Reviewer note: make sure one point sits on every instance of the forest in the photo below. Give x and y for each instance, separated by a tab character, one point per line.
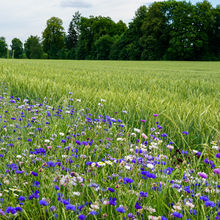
169	30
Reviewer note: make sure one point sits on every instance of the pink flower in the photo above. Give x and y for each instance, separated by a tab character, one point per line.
203	175
217	171
144	135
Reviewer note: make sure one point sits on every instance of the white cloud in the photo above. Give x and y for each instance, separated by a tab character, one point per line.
75	4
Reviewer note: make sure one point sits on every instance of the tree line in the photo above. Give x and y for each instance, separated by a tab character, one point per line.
168	30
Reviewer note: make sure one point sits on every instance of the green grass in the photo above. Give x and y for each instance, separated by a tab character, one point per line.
185	94
57	150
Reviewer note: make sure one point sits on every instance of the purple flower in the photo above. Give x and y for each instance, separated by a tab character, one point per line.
218	155
155	115
2	212
130	215
120	209
203	175
52	208
217	171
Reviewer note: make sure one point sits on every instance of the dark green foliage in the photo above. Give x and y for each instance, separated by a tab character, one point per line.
3	47
33	48
103	46
17	48
73	36
167	30
53	37
92	30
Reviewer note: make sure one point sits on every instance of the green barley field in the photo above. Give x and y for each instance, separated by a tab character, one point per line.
185	95
109	140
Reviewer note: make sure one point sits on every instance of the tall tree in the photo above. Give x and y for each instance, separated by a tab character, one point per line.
33	48
3	47
103	46
214	39
53	37
73	31
17	48
128	45
155	33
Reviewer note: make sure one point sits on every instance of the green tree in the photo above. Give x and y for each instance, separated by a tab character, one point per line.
214	39
73	35
91	30
17	48
3	47
33	48
190	27
103	46
53	37
128	46
155	33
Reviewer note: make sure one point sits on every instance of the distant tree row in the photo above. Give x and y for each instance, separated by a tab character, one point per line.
167	30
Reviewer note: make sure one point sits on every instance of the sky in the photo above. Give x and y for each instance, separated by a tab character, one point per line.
22	18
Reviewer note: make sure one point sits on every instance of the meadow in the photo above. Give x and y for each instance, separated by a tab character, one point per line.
109	139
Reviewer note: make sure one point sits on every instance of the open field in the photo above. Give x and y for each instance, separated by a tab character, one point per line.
109	140
185	94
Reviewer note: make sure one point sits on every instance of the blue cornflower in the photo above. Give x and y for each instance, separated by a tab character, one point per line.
18	209
93	213
65	201
71	207
56	188
36	184
43	202
130	215
34	173
63	141
143	194
52	208
185	132
82	217
177	215
112	201
120	209
210	204
127	180
50	164
204	198
110	189
138	206
193	212
10	210
22	198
